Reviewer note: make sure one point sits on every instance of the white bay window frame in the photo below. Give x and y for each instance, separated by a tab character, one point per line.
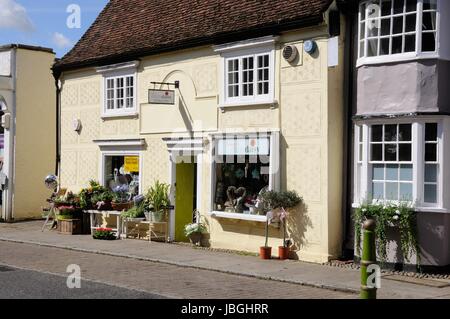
363	164
397	57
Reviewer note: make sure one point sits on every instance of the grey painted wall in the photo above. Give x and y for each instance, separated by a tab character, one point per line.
408	87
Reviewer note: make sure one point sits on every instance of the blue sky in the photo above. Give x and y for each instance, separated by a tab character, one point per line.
44	22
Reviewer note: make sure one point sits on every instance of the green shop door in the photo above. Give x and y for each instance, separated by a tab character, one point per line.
184	201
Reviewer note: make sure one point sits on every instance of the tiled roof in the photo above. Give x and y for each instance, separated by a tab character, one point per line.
128	29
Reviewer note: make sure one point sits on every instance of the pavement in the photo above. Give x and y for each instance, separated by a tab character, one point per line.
292	272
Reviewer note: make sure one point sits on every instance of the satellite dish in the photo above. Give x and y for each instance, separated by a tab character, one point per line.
51	182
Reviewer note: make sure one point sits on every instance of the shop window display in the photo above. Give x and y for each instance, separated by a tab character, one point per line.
122	171
241	173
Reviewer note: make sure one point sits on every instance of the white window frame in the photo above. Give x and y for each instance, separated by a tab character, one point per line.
363	178
274	178
417	54
244	49
115	72
105	154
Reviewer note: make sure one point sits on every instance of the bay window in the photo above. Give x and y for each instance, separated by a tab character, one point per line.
399	162
400	28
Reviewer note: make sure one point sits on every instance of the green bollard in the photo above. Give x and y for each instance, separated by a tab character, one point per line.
368	258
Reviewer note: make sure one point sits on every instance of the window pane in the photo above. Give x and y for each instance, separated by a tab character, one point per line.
373	28
406	190
384	46
397	45
411	5
392	172
404	132
377	152
372	47
377	133
398	25
431	173
390	133
378	172
378	190
405	152
429	21
430	195
410	43
431	152
429	42
361	49
406	173
410	23
392	191
386	26
386	6
362	35
429	4
398	6
390	152
362	9
431	132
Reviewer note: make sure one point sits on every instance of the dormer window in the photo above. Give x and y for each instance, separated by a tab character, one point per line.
391	30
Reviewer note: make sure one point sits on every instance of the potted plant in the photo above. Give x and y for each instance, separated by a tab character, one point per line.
136	212
121	198
400	217
278	202
69	220
104	234
90	195
194	232
102	200
265	252
156	201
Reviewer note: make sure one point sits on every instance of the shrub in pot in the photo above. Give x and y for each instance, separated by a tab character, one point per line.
104	234
194	232
87	195
278	202
157	201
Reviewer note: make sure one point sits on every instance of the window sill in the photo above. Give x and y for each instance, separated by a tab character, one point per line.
133	114
271	103
436	210
395	58
247	217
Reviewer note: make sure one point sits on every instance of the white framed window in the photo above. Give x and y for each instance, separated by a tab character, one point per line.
119	89
391	30
120	97
399	161
248	70
243	166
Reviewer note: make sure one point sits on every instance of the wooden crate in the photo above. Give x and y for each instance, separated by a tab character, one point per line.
70	226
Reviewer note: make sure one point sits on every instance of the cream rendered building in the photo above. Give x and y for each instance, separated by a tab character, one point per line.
237	100
28	129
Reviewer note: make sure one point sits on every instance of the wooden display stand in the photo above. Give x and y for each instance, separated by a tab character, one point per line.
70	226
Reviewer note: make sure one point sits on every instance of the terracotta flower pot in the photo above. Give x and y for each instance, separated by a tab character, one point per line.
265	252
283	252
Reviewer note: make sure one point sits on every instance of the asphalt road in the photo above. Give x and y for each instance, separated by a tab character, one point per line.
25	284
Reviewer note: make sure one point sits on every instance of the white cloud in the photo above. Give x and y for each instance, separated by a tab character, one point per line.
14	16
60	40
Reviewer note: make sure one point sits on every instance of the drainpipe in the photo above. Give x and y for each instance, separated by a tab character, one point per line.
347	9
57	76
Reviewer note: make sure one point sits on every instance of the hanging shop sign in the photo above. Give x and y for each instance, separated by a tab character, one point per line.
244	146
131	164
161	97
156	96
